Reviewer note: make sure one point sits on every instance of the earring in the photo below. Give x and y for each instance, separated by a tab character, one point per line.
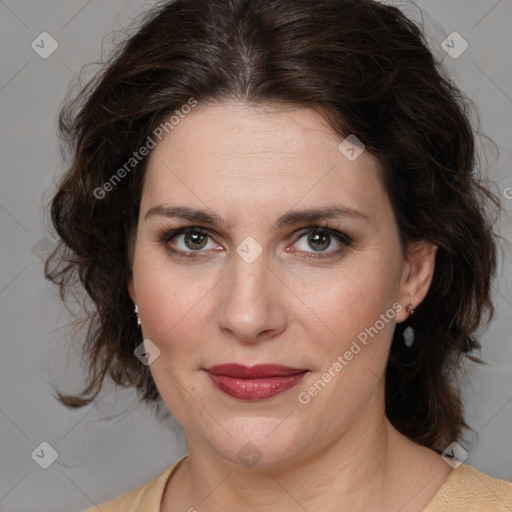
408	333
136	309
408	336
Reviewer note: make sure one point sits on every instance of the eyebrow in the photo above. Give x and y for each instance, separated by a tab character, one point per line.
293	217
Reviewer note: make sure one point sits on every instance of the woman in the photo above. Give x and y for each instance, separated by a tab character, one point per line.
285	194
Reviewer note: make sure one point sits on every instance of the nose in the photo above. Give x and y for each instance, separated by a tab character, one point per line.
251	307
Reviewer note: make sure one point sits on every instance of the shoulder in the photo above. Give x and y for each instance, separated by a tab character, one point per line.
468	490
145	498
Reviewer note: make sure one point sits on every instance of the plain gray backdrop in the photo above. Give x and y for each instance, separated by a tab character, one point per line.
99	458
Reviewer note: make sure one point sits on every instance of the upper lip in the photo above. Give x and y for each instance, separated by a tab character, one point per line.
254	372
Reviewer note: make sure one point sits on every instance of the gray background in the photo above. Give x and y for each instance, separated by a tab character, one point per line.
100	458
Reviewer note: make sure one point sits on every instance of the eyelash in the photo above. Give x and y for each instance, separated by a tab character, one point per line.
166	236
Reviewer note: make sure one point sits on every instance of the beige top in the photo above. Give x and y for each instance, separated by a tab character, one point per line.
465	490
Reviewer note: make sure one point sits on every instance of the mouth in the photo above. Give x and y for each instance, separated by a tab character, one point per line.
255	382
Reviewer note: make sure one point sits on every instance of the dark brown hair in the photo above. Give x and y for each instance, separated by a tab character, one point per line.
363	65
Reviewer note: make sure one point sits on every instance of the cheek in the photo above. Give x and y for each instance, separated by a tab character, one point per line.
354	298
172	308
358	320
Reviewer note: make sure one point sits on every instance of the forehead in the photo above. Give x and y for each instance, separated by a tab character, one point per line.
240	129
235	154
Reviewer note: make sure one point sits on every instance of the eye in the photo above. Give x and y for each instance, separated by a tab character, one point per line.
194	242
321	240
188	240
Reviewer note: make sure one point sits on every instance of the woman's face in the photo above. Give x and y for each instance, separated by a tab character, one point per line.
291	257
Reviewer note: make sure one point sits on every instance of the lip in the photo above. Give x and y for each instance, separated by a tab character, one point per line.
254	382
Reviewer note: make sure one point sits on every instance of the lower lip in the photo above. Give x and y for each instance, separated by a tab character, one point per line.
255	389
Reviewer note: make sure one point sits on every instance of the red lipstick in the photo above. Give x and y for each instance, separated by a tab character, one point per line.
254	382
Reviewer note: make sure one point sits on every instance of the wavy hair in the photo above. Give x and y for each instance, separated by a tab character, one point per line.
368	70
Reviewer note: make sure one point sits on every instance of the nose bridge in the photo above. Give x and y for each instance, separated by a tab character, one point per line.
249	305
247	281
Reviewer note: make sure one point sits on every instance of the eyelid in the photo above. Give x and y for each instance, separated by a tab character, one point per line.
324	229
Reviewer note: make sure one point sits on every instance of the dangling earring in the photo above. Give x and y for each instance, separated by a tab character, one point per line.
408	333
136	309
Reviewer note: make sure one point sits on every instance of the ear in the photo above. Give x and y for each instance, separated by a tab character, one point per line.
417	273
131	289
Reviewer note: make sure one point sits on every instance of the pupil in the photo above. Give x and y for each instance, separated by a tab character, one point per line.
319	241
195	240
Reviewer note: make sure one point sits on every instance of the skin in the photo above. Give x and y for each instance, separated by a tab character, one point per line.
249	166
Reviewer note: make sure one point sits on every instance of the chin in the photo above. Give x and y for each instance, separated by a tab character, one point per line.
257	442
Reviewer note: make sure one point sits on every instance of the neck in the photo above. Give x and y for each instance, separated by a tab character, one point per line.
352	473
